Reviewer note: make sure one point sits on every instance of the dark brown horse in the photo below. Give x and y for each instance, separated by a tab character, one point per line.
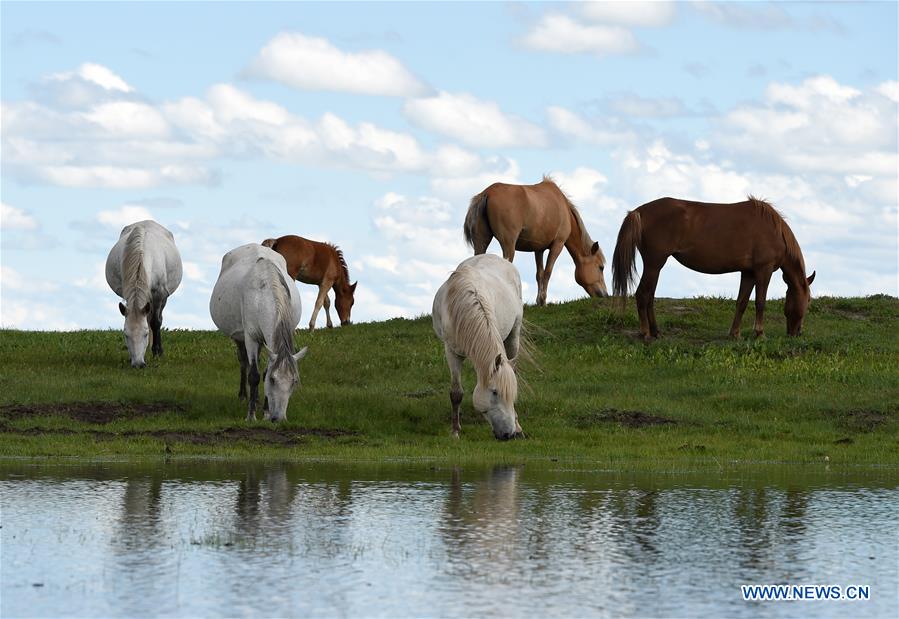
750	237
321	264
536	218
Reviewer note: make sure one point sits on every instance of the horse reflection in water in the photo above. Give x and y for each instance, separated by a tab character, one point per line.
481	529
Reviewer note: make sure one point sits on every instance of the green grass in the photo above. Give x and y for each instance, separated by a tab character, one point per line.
829	395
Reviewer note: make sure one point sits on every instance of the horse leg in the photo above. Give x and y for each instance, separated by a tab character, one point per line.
454	362
645	296
481	242
541	290
319	301
513	341
761	292
154	318
327	305
747	281
554	251
253	357
244	362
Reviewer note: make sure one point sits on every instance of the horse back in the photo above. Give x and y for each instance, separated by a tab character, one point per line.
713	237
310	262
535	214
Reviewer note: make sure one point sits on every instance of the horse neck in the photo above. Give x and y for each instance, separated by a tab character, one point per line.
475	327
793	273
578	242
793	266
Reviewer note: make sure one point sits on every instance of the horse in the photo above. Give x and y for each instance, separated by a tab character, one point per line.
256	304
750	237
477	313
322	264
143	268
536	218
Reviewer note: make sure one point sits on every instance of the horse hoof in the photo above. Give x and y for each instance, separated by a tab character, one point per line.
456	435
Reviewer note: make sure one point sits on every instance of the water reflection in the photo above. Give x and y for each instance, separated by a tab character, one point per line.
282	539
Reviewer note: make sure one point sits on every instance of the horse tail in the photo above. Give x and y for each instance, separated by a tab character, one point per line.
624	261
476	224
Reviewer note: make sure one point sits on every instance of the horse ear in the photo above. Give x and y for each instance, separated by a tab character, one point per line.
123	309
811	278
301	353
353	287
268	243
595	247
497	363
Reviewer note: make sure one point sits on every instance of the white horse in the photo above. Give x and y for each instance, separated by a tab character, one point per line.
255	303
144	268
477	313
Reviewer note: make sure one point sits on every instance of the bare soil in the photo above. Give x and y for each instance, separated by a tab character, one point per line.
629	419
90	412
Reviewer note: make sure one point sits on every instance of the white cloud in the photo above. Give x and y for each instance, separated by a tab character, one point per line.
574	127
95	74
643	107
472	121
890	90
12	218
636	13
123	216
560	33
816	126
34	315
128	118
312	63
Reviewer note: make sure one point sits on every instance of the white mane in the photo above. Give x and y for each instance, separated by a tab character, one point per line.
474	331
135	284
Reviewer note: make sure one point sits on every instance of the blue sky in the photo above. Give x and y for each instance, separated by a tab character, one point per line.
372	124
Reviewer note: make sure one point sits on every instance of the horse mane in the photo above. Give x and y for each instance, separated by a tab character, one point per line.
794	253
135	284
282	346
341	261
475	331
586	239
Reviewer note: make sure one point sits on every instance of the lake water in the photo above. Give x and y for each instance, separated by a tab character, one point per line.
224	539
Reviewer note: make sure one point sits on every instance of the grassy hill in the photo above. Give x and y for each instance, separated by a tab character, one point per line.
380	390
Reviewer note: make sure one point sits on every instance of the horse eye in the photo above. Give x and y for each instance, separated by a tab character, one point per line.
602	268
495	392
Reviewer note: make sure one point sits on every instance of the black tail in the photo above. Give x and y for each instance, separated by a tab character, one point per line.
624	261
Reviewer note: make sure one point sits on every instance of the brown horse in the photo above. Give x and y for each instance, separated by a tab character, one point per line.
750	237
321	264
536	218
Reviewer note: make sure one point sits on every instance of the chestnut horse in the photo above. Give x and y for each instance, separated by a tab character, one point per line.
750	237
536	218
321	264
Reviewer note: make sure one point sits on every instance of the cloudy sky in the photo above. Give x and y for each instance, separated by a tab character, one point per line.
371	125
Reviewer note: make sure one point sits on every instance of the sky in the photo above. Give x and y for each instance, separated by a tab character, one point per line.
371	125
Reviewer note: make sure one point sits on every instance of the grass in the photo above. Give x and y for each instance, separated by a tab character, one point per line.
379	391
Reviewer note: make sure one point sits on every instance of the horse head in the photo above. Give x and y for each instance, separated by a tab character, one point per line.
344	298
281	379
496	400
796	303
588	272
137	332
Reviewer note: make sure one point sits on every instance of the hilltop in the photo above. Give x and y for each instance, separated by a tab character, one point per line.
594	393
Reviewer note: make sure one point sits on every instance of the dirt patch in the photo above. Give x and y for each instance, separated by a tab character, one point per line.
261	436
421	393
628	419
863	419
90	412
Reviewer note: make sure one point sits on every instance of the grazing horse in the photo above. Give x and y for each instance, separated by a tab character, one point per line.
477	313
750	237
255	303
144	268
322	264
536	218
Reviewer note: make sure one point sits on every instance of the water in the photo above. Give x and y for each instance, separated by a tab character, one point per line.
217	539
